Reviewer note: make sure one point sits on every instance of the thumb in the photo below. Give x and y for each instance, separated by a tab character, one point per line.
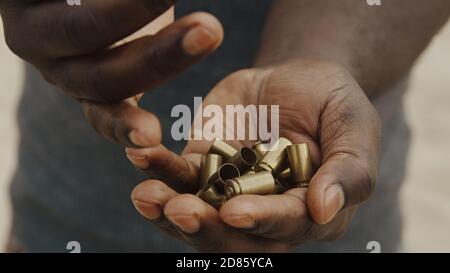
343	181
349	141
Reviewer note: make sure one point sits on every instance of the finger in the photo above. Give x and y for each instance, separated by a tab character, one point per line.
150	198
282	217
124	123
278	217
200	225
139	65
56	29
349	137
178	172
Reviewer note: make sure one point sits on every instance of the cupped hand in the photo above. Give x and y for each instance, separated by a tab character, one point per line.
321	104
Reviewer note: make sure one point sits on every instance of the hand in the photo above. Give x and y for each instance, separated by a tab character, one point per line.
320	104
72	46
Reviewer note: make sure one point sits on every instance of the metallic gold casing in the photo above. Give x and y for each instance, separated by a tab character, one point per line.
300	163
209	165
275	160
259	183
225	172
286	175
284	181
251	171
212	197
222	148
244	159
259	149
281	186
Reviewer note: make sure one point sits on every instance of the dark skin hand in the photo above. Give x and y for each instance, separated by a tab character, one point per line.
320	104
72	47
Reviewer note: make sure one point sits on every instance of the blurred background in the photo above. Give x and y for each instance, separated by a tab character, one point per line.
426	194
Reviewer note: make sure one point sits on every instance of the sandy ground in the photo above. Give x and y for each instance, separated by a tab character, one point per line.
425	197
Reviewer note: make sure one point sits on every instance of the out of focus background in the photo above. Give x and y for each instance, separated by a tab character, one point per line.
426	194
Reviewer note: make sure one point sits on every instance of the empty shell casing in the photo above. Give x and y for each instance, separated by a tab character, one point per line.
300	164
210	164
260	150
225	172
285	175
244	159
275	160
285	180
212	197
251	171
258	183
222	148
281	186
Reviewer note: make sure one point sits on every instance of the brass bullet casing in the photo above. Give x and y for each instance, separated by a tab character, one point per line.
259	149
275	160
286	176
281	186
225	172
244	159
212	197
300	163
259	183
209	165
251	171
222	148
284	181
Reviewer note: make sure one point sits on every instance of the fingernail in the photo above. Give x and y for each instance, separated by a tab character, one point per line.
241	221
151	211
187	223
198	40
137	139
333	203
140	161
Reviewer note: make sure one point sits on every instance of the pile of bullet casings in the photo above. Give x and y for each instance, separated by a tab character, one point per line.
226	172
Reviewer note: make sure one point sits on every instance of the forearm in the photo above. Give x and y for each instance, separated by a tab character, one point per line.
378	45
